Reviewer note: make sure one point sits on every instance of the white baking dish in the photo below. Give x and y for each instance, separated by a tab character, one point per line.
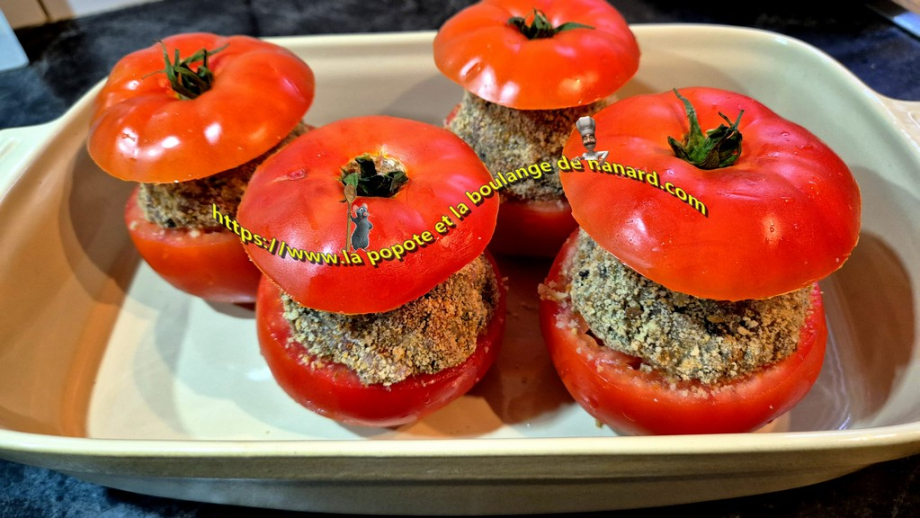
109	374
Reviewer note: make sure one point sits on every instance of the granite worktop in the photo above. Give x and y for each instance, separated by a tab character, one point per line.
68	57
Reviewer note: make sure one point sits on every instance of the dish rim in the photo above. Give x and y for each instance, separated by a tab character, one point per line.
907	434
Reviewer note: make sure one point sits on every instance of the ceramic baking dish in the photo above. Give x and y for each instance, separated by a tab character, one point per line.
109	374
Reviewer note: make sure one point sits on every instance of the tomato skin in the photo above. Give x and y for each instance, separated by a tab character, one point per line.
212	265
636	402
141	130
297	195
336	392
532	228
481	51
785	215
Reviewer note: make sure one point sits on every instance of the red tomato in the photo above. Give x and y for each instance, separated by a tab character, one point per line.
492	58
142	131
532	228
297	197
336	392
210	265
608	385
784	215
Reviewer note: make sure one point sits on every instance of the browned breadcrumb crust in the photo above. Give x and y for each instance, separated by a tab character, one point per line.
437	331
507	139
687	338
188	204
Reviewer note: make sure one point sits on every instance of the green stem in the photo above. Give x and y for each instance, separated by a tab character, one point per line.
362	178
369	182
188	83
541	26
719	147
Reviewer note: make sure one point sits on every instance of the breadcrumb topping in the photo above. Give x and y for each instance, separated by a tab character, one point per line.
686	337
437	331
188	204
507	139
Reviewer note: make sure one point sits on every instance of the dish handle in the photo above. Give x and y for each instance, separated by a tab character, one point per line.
19	147
907	116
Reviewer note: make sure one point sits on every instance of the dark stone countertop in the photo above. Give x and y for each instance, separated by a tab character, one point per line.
68	57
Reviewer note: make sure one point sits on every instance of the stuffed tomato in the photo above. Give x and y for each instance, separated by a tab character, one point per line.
530	69
190	119
688	300
378	305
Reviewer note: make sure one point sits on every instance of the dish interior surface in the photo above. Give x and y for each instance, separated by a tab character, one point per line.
96	345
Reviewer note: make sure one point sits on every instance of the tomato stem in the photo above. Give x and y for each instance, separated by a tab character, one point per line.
370	176
188	83
378	176
720	147
541	26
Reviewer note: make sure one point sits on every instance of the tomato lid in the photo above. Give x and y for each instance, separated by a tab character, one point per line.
144	130
407	242
538	54
783	215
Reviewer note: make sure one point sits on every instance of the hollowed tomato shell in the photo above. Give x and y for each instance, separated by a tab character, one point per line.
532	228
608	386
334	391
210	265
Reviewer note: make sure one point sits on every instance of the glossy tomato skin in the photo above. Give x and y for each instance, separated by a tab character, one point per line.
631	401
297	195
210	265
142	131
334	391
783	216
481	51
532	228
